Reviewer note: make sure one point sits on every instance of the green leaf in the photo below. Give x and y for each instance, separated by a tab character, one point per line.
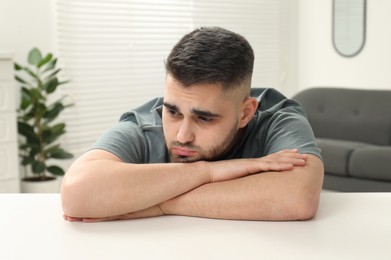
52	113
34	144
34	149
19	79
32	74
63	82
45	60
26	130
34	57
53	73
58	153
51	85
23	146
28	116
59	128
17	66
52	149
62	155
35	94
53	137
25	99
35	112
38	167
46	134
25	102
51	134
25	91
51	65
26	160
28	146
56	170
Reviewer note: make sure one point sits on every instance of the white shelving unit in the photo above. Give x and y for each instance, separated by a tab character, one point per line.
9	176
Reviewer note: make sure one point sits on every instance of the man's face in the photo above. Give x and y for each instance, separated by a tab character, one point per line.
199	122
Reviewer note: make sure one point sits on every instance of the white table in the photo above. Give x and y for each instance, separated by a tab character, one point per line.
347	226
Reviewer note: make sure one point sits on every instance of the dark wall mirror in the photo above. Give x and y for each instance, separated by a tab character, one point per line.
349	18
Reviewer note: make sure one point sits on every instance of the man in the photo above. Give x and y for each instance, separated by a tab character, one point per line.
213	147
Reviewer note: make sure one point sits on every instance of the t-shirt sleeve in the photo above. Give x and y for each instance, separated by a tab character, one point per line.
290	129
125	140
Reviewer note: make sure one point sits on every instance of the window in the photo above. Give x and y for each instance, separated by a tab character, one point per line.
113	51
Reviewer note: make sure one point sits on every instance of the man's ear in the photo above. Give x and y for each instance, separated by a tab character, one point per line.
249	107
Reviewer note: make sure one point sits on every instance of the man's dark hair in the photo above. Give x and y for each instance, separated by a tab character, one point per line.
211	55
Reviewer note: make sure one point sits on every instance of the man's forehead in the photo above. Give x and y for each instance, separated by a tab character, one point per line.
208	104
201	97
203	92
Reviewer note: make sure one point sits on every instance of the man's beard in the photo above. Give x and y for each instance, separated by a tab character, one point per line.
213	154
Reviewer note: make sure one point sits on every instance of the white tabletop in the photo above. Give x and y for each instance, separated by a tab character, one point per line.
347	226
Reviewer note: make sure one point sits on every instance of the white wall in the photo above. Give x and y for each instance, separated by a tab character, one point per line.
288	47
320	65
25	24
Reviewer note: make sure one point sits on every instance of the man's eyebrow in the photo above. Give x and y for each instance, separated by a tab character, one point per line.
170	106
195	111
204	113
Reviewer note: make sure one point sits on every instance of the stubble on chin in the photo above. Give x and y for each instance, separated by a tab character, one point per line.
182	159
213	154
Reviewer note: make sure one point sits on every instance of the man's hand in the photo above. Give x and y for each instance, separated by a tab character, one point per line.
283	160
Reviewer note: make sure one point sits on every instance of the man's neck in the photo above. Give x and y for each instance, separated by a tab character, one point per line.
235	143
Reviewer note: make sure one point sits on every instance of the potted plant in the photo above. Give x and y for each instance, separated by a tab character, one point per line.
37	125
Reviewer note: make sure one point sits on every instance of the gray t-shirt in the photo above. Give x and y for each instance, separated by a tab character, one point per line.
279	123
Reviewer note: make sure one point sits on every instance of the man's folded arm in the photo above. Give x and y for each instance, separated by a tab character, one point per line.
100	185
289	195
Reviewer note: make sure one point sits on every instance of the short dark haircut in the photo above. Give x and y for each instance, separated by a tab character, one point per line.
211	55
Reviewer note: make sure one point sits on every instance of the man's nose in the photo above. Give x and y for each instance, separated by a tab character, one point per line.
185	132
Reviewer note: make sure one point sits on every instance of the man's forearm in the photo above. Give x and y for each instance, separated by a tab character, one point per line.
291	195
103	187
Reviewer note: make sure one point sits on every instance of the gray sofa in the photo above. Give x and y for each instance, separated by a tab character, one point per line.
353	129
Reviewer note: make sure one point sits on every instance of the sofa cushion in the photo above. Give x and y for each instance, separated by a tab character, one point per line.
336	153
371	163
356	115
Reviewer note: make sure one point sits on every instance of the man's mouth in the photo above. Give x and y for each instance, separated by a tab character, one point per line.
182	151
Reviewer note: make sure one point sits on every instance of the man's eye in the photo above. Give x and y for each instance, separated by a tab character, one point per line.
173	112
205	119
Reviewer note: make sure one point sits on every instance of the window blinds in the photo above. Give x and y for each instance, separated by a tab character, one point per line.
113	51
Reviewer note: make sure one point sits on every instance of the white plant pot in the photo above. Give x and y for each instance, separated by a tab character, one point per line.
47	186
